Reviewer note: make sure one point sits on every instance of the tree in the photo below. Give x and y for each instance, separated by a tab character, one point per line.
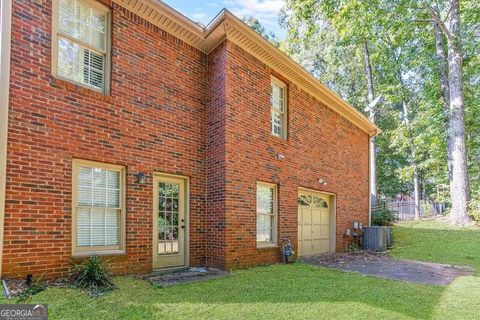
260	29
346	25
333	38
457	149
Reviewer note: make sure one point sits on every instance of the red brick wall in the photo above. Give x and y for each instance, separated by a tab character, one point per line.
216	120
321	144
171	109
153	120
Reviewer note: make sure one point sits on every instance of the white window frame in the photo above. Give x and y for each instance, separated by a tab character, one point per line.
98	250
107	53
283	114
273	242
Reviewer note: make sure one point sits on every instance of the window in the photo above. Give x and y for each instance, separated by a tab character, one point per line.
266	214
312	201
98	207
278	108
81	43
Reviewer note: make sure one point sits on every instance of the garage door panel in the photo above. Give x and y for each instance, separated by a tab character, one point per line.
307	216
316	216
306	246
324	216
325	230
307	231
321	246
316	231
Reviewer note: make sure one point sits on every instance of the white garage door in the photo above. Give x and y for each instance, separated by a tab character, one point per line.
314	223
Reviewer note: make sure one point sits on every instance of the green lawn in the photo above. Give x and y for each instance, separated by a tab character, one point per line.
295	291
437	242
275	292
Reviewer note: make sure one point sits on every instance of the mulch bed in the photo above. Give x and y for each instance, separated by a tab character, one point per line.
17	286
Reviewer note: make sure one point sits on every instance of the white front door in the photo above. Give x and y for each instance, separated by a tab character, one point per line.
314	223
169	222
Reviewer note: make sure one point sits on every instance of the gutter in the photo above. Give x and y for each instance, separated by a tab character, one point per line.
5	34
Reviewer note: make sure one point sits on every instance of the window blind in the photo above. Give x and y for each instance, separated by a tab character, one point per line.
98	207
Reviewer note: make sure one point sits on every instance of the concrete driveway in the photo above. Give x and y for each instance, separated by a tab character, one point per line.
381	265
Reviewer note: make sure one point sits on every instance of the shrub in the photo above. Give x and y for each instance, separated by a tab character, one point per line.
93	276
382	217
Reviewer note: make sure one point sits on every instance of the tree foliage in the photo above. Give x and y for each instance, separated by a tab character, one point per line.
260	29
325	37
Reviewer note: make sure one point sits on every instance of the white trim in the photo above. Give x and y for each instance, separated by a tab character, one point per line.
5	34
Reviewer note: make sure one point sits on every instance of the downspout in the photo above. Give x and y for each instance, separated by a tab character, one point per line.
369	180
5	34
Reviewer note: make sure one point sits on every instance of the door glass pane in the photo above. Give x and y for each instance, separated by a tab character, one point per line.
168	218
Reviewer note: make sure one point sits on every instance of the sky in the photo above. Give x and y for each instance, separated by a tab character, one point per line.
266	11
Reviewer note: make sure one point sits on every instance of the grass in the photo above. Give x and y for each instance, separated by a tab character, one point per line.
275	292
295	291
434	241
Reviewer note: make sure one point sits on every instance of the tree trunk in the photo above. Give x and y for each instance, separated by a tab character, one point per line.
370	98
443	72
416	178
459	187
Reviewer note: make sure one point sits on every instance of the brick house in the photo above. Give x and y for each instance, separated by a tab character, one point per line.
129	131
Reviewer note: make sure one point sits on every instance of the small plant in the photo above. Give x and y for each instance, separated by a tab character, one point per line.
382	217
353	248
31	289
93	276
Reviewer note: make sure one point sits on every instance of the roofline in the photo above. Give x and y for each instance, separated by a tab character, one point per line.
227	25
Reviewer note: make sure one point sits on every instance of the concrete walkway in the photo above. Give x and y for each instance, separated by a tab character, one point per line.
169	278
381	265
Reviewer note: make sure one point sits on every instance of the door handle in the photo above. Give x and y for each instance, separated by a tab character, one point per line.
183	227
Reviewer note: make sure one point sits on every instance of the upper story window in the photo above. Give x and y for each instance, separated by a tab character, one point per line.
81	42
278	108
